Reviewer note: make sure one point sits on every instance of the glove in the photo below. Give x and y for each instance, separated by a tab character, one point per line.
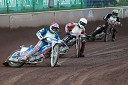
48	39
42	39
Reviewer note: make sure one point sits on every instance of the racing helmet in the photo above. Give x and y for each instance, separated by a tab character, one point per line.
115	13
82	23
54	27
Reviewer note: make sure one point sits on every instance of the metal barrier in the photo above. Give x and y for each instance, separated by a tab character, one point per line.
21	6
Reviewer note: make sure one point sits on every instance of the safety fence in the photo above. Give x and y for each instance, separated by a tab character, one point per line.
21	6
36	19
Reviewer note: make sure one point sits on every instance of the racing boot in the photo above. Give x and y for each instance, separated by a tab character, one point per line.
5	64
81	55
58	64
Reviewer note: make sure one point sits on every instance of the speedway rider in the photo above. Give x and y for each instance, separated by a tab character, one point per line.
113	16
75	28
43	43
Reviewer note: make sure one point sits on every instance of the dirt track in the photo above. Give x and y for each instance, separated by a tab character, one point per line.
105	63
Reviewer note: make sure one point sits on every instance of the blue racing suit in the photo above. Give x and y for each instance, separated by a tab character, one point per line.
43	45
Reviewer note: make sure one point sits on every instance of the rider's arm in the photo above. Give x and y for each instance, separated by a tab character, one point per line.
57	36
69	27
83	31
40	34
84	38
118	21
107	17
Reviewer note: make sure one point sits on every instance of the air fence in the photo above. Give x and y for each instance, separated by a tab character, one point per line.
22	6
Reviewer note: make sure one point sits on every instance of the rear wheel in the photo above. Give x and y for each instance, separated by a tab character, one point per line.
14	55
55	55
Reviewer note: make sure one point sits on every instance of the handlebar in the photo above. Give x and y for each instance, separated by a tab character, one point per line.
53	40
75	34
113	22
78	34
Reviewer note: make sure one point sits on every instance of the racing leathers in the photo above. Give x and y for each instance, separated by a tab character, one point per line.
104	27
73	28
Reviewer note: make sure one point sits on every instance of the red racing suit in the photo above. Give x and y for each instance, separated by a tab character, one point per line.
74	28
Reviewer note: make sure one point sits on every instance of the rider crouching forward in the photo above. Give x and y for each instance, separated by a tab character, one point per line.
43	43
113	16
75	28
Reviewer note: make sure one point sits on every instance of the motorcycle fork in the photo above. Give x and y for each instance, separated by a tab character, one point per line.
77	40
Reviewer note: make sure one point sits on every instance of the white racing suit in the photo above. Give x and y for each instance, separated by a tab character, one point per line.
70	39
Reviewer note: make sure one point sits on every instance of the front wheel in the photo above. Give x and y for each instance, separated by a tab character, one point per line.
54	55
14	56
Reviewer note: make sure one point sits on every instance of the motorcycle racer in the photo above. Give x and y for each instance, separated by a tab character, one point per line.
109	17
75	28
43	44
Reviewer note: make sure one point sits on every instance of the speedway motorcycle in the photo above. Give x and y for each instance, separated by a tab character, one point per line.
105	34
75	39
53	53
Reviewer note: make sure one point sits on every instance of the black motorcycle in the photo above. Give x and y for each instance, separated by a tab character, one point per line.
69	41
103	32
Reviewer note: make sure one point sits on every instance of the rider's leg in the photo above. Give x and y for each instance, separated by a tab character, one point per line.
114	34
36	48
44	49
82	48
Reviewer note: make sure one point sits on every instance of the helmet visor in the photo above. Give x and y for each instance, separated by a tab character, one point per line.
115	14
55	29
83	24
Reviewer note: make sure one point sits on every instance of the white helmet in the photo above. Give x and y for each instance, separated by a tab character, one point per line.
115	12
54	27
82	23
